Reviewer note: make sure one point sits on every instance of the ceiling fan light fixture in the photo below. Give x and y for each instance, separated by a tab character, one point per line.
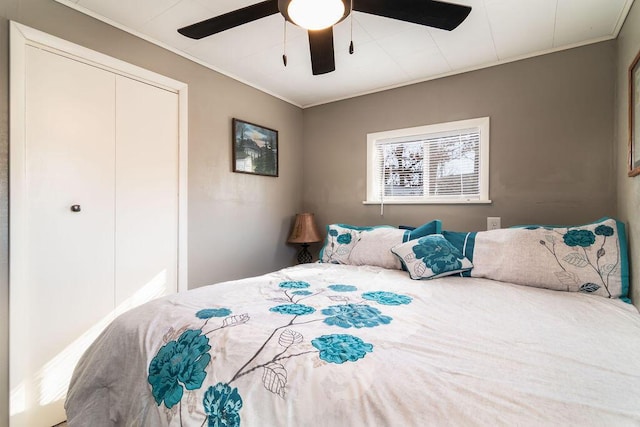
315	14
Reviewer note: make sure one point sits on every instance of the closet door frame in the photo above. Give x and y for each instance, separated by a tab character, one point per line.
22	36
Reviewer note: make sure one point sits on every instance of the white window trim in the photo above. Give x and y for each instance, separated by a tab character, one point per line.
481	123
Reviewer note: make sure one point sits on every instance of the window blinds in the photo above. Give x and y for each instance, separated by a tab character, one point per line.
434	166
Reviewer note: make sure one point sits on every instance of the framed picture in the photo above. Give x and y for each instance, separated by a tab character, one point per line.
255	149
634	117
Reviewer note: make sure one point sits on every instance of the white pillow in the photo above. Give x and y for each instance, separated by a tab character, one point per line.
589	258
362	245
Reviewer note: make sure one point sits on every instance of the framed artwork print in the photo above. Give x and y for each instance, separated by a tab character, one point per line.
634	117
255	149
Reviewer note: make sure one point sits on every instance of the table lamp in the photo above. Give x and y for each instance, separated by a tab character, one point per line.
304	232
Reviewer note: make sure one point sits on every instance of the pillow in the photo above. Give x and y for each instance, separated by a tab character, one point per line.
353	245
431	257
431	227
589	258
463	241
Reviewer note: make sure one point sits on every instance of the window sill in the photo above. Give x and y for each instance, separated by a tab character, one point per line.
429	202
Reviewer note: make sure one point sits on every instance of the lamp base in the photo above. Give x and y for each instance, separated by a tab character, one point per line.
304	256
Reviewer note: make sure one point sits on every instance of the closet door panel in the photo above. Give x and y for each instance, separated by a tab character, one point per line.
69	287
146	192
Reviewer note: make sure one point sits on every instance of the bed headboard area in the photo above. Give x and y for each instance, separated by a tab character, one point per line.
590	258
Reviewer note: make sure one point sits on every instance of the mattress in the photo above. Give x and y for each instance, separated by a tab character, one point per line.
340	345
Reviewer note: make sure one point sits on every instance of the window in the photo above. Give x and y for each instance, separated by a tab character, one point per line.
442	163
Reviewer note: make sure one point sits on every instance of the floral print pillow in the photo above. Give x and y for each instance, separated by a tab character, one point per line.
590	258
351	245
339	243
431	257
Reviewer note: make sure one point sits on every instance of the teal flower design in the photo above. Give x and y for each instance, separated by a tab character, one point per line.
208	313
584	238
303	293
342	288
344	239
387	298
340	348
293	309
294	285
604	230
179	363
354	315
438	255
222	404
333	232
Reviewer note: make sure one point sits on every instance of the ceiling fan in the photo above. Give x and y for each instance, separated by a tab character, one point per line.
437	14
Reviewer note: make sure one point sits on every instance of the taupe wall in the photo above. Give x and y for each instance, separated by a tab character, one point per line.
238	223
552	150
628	44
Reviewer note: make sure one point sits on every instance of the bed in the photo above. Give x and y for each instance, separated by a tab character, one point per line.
348	343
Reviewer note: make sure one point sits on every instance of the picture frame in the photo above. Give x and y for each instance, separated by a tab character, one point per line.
255	149
634	117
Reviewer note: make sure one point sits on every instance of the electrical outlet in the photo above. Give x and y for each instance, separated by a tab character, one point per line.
493	222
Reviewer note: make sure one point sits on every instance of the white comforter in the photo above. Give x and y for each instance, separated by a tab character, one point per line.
292	349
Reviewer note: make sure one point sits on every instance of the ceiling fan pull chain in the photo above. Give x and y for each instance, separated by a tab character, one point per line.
284	45
351	22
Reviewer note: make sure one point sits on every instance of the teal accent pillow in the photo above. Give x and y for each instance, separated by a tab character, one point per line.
431	257
463	241
406	227
431	227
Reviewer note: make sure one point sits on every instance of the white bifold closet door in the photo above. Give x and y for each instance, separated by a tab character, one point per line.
146	192
101	165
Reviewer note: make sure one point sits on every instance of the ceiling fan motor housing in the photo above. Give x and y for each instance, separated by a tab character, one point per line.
283	7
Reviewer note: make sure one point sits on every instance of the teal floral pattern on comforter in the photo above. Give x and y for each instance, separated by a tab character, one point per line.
178	371
219	356
178	365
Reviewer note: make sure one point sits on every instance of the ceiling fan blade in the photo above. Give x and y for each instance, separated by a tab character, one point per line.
229	20
445	16
321	46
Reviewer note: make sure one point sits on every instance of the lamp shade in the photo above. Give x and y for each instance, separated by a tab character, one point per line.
304	229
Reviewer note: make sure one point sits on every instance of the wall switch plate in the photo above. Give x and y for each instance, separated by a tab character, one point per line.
493	222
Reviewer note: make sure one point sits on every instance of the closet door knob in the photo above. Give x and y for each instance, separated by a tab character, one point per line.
75	208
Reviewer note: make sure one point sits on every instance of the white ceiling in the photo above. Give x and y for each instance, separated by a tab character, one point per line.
388	53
